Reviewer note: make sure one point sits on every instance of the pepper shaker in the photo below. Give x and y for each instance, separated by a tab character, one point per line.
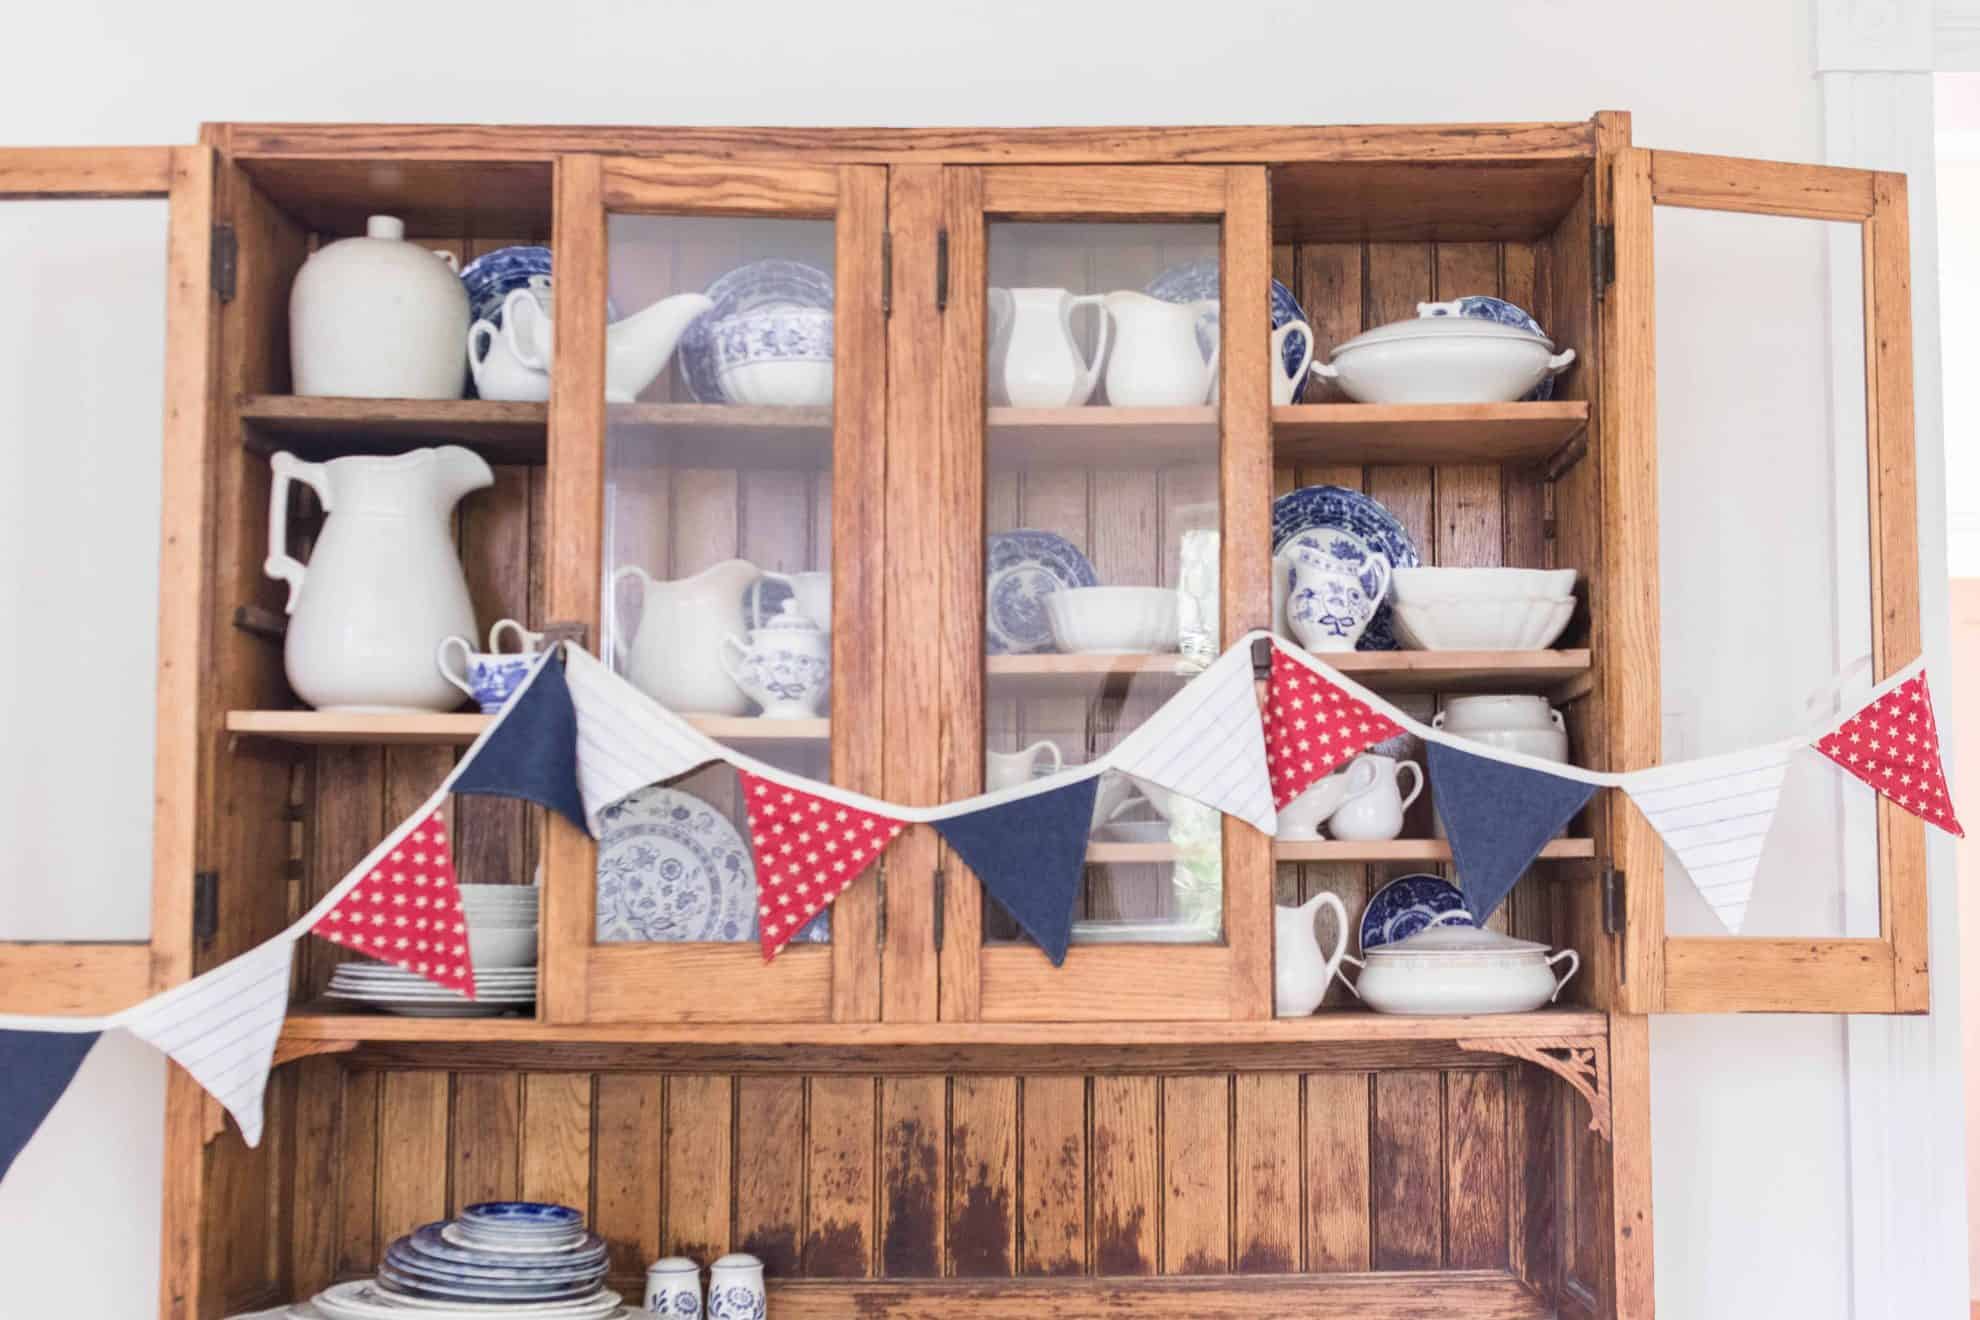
735	1288
673	1288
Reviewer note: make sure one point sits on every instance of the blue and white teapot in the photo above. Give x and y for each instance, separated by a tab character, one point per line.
786	667
1334	584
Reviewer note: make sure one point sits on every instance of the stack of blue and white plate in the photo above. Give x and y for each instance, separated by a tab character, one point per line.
522	1260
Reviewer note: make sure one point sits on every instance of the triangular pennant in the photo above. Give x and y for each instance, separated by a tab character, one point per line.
1715	814
532	753
1208	743
1311	725
1499	817
221	1027
1892	744
1029	853
36	1067
625	739
808	849
407	911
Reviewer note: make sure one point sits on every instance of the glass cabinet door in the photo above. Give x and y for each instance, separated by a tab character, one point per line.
1106	400
1788	565
716	417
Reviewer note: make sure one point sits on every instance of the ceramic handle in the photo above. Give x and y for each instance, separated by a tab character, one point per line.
1279	337
523	318
1416	792
1559	723
481	339
1325	370
1574	965
453	262
1453	308
1437	720
1058	760
440	661
1361	777
1446	918
1560	362
1211	308
1091	376
1328	899
1347	958
526	641
280	564
1388	571
619	634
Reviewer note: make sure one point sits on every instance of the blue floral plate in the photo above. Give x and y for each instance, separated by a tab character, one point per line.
442	1243
1486	308
529	1216
1338	509
1021	568
402	1257
394	1281
769	283
1408	904
1194	281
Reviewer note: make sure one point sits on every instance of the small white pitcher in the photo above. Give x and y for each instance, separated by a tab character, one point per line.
1377	813
1301	818
1300	972
1009	769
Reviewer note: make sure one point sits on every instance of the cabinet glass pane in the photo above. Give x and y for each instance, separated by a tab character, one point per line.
718	555
83	337
1765	542
1102	560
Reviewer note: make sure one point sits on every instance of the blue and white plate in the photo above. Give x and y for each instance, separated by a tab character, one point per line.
392	1281
1338	509
1486	308
1193	281
1408	904
1021	568
769	283
445	1244
528	1216
401	1257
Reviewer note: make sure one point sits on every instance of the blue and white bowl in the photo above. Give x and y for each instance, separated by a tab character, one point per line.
492	277
1483	307
779	357
772	283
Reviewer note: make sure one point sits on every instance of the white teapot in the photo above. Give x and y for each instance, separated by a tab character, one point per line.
786	667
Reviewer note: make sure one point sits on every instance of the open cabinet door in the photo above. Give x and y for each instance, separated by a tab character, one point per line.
59	249
1774	403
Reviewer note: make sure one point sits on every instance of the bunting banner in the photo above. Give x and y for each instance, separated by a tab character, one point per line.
1313	723
1892	744
807	849
1499	817
1030	853
36	1067
533	756
1208	744
407	910
1716	814
625	739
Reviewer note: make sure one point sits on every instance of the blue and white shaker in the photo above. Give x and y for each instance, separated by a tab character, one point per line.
735	1288
673	1288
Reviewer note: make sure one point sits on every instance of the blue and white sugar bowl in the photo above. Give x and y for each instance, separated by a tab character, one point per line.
673	1287
735	1288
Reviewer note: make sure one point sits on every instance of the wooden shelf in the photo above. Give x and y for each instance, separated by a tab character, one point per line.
725	416
1077	675
1427	433
316	726
1554	672
1101	437
1407	850
318	428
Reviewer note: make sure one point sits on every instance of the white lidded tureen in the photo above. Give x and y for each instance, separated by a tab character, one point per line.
1443	359
1450	969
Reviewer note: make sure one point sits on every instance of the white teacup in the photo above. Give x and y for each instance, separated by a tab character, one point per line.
1009	769
1301	818
1378	812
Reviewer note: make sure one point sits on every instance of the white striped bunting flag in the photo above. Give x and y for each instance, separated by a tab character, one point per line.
1208	743
1715	815
626	740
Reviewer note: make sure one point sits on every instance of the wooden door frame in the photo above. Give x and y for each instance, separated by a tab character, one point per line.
583	981
1228	980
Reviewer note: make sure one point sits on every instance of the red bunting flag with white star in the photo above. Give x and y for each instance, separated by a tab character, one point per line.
407	911
1312	726
808	849
1892	744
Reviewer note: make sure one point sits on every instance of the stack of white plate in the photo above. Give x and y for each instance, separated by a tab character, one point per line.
501	922
363	1299
498	990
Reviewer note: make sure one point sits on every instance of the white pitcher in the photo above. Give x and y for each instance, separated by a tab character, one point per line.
1378	812
1301	818
1300	972
1034	360
1157	362
383	587
1009	769
675	651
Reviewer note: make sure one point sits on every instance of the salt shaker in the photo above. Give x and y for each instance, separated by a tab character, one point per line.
735	1288
673	1287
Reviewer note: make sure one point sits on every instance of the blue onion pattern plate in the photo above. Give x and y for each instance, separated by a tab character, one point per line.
393	1280
1021	568
1194	281
402	1257
529	1216
1487	308
759	284
1408	904
1338	509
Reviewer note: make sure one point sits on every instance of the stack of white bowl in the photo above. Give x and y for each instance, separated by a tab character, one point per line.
1482	609
501	922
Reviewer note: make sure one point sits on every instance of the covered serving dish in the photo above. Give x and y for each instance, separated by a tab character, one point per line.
1452	969
1443	359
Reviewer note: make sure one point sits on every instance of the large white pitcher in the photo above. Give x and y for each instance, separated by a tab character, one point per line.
675	651
1034	358
383	587
1157	362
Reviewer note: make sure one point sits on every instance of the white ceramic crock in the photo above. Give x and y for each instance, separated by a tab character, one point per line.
1443	359
379	318
1451	969
1512	723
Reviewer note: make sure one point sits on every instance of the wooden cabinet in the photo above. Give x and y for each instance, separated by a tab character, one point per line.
919	1115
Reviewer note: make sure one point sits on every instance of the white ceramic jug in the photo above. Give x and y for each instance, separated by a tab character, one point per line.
1034	357
1301	818
1157	362
1009	769
1378	812
1300	972
675	651
383	587
379	318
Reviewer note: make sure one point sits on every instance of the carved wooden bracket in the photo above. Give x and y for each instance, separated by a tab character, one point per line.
1581	1061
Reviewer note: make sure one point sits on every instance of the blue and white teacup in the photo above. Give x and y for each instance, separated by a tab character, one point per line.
1335	583
488	678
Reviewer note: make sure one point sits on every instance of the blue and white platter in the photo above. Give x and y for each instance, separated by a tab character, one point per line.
1486	308
1194	281
445	1245
772	282
1021	568
1408	904
1338	509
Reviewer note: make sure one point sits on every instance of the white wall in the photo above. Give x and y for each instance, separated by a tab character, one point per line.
1750	1139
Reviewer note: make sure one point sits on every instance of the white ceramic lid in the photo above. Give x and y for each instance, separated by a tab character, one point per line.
1441	327
673	1265
787	619
738	1260
1457	940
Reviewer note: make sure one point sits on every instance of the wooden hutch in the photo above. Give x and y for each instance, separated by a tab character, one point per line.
921	1117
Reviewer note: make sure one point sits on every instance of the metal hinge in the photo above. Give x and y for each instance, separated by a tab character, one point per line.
226	259
886	273
206	905
1604	256
1615	916
941	270
941	905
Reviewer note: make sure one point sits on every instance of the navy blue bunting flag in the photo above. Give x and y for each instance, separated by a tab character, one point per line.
533	754
1499	817
1029	853
36	1067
